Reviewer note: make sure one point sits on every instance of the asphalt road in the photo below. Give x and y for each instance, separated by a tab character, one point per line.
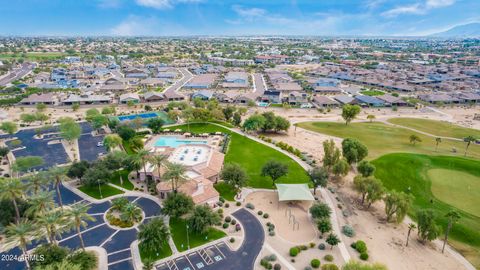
17	73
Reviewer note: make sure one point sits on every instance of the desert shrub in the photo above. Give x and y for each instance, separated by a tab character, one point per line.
227	205
321	246
220	204
233	222
225	225
294	251
222	199
238	203
329	266
271	233
311	245
265	215
232	240
260	212
86	260
348	230
277	266
303	247
271	258
364	256
50	254
328	258
353	245
220	211
228	219
315	263
250	206
307	268
360	246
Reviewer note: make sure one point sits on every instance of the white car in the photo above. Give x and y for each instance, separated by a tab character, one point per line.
99	144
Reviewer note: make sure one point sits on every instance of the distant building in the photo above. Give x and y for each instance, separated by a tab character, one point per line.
129	97
203	81
34	99
203	95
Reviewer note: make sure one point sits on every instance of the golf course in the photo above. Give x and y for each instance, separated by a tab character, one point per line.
439	178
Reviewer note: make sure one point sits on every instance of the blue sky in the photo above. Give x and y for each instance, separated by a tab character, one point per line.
214	17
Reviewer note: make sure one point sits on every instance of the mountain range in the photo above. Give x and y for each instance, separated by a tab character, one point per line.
465	30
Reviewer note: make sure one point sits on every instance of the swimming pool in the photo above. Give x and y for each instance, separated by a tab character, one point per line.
263	104
146	115
176	142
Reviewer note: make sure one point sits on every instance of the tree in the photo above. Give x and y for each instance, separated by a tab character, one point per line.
371	117
12	189
228	112
438	140
23	164
78	169
69	129
36	182
41	107
90	113
234	175
414	139
411	227
452	216
40	203
98	174
112	141
397	203
202	218
353	150
155	124
319	178
274	170
58	174
427	229
4	151
108	110
9	127
54	223
349	112
75	107
320	210
78	217
153	235
41	117
324	225
237	119
375	191
175	173
131	213
20	235
341	168
126	132
366	168
98	121
177	204
136	144
142	156
159	161
28	118
331	154
254	122
355	265
332	240
468	140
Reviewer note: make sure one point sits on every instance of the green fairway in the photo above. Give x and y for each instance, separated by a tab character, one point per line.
178	229
252	155
226	191
438	128
456	188
420	174
94	191
34	55
383	139
161	253
372	93
124	175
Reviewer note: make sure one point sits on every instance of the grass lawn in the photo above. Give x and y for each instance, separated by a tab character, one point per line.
107	191
161	253
455	184
34	55
439	128
178	229
372	93
388	139
226	191
252	155
126	182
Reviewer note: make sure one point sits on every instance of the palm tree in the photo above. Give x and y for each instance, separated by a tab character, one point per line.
54	223
468	140
411	227
78	215
158	160
58	174
142	157
36	182
112	141
131	213
174	173
12	189
40	203
20	235
437	142
453	216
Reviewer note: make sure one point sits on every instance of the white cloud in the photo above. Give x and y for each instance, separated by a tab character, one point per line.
134	26
372	4
439	3
249	13
418	8
163	4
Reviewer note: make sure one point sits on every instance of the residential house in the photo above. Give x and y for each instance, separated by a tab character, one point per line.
173	96
272	96
369	101
42	98
153	97
129	98
203	81
326	102
236	79
202	94
86	99
297	98
343	99
392	100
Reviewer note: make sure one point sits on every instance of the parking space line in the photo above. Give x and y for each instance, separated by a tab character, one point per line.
76	235
136	199
97	214
118	251
190	262
208	260
109	238
220	252
119	261
172	265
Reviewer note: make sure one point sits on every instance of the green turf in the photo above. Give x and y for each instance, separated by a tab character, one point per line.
252	155
94	192
438	128
402	172
383	139
34	55
115	179
226	191
178	230
372	93
161	253
456	188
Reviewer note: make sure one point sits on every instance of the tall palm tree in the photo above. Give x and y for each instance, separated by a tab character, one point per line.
131	213
112	141
438	140
36	182
12	189
54	223
40	203
411	227
453	216
158	160
142	157
78	215
174	173
468	140
20	235
58	175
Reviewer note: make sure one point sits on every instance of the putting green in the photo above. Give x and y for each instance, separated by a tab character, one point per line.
456	188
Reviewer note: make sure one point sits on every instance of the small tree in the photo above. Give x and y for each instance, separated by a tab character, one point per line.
111	141
397	203
23	164
349	112
254	122
75	107
452	216
332	240
331	154
411	227
427	229
9	127
318	177
126	132
78	169
155	124
341	168
371	117
41	107
234	175
366	168
202	218
274	170
414	139
320	210
468	140
69	129
353	150
152	236
437	142
324	225
177	204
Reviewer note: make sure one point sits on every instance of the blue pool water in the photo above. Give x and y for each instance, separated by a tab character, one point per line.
175	142
140	115
262	104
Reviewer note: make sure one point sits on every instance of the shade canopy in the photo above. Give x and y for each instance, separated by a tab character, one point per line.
294	192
